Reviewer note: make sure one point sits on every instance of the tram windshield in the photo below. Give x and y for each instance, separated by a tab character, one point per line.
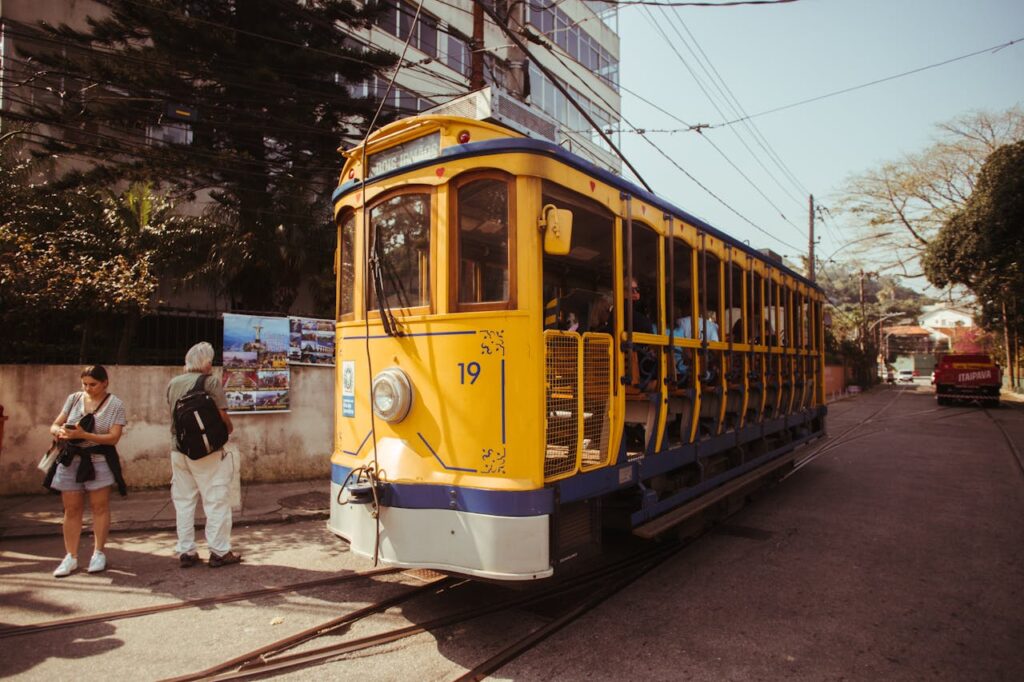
399	258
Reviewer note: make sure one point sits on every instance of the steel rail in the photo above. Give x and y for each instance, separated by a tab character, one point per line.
268	659
1009	442
34	628
832	443
537	636
255	656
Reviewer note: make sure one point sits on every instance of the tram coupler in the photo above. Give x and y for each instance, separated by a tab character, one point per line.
360	492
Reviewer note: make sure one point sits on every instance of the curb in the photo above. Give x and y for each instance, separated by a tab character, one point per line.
54	530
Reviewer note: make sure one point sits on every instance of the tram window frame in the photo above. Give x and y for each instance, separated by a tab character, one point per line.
734	312
648	285
773	332
581	282
425	279
682	254
455	265
755	301
710	291
789	338
346	262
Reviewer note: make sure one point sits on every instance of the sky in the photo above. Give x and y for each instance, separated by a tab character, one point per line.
773	55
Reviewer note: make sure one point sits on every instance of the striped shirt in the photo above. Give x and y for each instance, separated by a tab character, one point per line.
111	413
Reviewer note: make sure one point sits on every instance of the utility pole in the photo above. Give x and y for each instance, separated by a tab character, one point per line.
476	57
810	238
863	315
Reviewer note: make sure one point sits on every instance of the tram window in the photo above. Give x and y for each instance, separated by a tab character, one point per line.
400	236
709	298
785	316
808	319
734	317
682	259
482	212
756	299
347	276
577	287
773	327
646	314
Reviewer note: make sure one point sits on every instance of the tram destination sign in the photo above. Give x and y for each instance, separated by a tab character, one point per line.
420	149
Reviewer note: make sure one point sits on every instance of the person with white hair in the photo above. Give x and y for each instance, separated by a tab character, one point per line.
208	478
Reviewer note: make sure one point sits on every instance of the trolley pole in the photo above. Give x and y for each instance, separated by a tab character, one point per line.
810	237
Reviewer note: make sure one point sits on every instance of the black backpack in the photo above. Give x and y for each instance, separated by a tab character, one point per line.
197	422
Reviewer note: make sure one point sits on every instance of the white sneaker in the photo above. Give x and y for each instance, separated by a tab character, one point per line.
98	563
67	567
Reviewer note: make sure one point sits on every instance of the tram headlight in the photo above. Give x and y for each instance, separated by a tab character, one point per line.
391	395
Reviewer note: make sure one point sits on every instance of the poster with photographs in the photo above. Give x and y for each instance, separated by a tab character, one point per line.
310	341
256	375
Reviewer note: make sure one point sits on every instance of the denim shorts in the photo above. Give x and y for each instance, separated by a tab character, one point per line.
64	479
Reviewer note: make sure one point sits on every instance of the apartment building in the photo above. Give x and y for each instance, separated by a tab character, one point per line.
574	42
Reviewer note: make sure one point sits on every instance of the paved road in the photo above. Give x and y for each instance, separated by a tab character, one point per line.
896	554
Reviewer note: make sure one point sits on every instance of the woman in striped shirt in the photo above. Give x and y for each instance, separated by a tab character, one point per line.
91	422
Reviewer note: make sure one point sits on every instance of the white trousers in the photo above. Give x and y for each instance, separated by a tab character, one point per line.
210	479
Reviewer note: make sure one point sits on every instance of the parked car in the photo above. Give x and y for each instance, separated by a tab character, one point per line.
906	375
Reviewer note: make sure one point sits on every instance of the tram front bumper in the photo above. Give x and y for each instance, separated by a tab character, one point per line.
448	540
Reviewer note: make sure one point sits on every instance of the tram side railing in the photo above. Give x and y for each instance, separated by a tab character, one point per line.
578	402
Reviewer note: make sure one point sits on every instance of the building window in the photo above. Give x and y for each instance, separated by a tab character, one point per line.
398	20
458	57
175	133
561	30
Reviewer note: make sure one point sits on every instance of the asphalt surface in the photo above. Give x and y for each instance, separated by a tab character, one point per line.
896	553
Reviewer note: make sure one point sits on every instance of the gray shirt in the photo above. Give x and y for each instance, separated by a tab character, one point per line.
182	384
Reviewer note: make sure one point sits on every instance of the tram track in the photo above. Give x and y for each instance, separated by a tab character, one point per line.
942	413
274	657
1014	450
109	616
845	436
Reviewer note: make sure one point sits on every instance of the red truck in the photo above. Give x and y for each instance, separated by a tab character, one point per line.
968	376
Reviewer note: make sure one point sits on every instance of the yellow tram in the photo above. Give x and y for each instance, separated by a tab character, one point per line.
532	349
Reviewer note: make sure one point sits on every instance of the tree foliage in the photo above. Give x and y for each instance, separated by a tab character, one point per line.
885	298
981	246
242	104
902	204
82	249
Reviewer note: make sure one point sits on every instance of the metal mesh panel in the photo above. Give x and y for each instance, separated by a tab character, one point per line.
597	393
563	404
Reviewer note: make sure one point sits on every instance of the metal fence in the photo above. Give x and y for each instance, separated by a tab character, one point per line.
160	337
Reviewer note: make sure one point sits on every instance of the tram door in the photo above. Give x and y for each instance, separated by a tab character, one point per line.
579	329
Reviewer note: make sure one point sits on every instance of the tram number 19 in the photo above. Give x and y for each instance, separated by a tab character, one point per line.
469	369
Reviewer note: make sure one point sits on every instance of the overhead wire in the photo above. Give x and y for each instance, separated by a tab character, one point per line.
834	93
730	96
671	160
711	99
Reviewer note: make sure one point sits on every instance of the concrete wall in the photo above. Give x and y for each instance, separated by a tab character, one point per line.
273	447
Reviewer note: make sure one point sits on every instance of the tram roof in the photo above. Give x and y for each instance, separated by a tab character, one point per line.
525	144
